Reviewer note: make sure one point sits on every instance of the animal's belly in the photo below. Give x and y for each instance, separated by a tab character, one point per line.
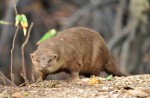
88	70
91	68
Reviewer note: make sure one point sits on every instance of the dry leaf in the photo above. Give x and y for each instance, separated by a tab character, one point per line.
94	80
17	95
24	31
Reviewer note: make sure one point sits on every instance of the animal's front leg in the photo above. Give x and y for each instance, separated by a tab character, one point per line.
74	71
74	68
74	76
41	77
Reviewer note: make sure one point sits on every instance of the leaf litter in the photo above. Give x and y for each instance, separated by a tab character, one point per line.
135	86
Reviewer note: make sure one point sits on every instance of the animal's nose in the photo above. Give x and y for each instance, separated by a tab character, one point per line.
42	65
41	68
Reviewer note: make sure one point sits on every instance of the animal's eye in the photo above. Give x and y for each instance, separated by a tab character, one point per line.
55	56
37	60
49	60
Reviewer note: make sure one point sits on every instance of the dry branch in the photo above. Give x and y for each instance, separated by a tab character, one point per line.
119	16
5	80
22	51
12	50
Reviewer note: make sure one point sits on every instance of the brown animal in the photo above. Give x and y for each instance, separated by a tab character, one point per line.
77	51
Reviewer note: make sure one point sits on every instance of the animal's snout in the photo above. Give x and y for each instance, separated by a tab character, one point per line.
43	65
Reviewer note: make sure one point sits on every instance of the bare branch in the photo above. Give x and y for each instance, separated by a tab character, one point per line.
120	37
22	51
13	45
15	9
6	81
119	16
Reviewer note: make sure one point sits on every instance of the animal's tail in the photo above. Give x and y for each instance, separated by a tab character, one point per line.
111	68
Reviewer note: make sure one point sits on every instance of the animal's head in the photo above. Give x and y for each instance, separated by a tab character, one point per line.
45	59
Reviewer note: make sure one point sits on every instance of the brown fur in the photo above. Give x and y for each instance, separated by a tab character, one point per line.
76	51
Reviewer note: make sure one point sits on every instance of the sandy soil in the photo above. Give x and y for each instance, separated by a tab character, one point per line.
136	86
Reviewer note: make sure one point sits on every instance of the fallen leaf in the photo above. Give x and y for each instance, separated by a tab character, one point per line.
17	95
94	80
109	78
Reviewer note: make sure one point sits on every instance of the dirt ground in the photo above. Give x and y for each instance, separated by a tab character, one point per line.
136	86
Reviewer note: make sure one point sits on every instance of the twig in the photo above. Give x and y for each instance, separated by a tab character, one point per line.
22	51
5	79
125	54
119	38
13	45
76	16
15	9
119	16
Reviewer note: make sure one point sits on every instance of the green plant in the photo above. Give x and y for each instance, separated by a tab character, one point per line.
51	33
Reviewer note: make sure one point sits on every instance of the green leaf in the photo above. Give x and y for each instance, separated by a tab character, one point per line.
51	33
24	21
109	78
24	31
5	22
17	18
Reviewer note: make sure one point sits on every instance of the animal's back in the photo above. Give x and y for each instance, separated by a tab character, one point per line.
81	38
89	45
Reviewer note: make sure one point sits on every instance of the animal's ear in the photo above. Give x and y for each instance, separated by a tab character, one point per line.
32	55
55	56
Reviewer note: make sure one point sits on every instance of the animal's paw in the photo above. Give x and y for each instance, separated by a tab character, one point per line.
39	80
73	79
